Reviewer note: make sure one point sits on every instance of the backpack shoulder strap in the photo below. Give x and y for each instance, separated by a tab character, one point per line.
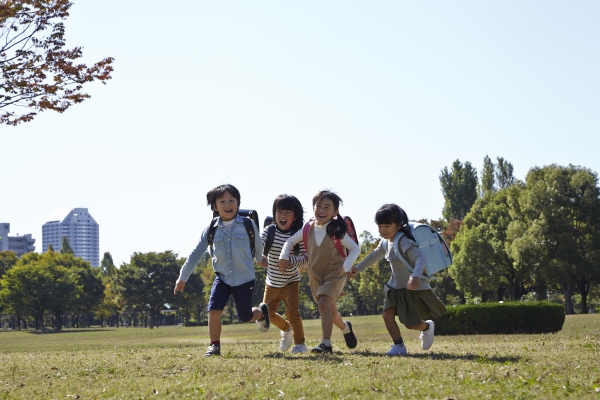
399	252
211	233
251	236
305	232
270	239
340	248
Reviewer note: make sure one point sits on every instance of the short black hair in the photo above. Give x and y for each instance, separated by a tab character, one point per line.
394	214
288	202
214	194
391	214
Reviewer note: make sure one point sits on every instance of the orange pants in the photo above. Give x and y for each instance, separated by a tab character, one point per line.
289	294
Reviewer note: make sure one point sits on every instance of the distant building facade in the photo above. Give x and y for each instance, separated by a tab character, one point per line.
79	227
18	244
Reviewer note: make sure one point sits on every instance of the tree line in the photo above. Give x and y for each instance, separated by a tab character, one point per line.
511	240
523	239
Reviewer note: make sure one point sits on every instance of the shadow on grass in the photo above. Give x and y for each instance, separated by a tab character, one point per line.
84	330
336	357
449	356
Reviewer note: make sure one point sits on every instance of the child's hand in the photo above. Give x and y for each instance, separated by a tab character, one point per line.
284	265
352	273
264	263
179	286
413	283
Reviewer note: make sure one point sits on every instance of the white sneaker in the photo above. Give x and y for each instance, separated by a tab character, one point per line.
299	348
286	340
427	336
397	350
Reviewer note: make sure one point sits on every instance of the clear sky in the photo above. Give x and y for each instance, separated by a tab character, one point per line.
371	99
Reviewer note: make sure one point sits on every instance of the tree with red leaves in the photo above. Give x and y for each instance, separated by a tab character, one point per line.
36	72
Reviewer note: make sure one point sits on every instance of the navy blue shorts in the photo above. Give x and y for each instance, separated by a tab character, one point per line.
242	297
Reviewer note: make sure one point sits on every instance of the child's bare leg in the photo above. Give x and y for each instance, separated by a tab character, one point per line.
326	315
389	317
214	325
337	317
421	327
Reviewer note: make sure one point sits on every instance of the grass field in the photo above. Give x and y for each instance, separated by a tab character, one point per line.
136	363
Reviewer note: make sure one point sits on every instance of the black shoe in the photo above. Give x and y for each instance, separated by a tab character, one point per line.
264	323
349	337
321	348
213	350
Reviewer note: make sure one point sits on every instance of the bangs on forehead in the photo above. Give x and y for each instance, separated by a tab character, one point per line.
325	194
285	204
384	217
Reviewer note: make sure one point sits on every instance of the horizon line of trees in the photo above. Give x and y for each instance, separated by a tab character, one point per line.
511	240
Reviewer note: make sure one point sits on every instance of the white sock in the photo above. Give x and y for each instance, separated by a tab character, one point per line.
346	328
326	342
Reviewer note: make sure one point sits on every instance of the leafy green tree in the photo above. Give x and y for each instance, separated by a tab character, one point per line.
459	187
65	247
557	229
482	257
90	279
504	173
488	179
36	71
38	283
192	300
7	260
147	282
107	265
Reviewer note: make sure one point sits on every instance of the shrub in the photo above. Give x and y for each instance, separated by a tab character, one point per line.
501	318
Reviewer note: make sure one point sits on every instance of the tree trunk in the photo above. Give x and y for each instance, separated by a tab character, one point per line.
501	290
58	318
584	288
567	289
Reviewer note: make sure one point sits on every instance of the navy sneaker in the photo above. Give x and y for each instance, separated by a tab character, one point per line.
321	348
349	337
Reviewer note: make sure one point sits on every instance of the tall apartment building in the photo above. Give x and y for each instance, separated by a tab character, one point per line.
18	244
81	230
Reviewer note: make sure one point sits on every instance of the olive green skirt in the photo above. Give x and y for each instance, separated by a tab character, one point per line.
413	306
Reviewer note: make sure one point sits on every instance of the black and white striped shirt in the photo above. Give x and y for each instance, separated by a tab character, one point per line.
276	278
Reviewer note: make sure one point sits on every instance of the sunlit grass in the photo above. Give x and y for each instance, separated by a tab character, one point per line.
168	362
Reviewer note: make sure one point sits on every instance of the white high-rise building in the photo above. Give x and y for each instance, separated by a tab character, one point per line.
79	227
18	244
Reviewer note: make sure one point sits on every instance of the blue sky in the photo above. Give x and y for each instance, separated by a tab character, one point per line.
369	99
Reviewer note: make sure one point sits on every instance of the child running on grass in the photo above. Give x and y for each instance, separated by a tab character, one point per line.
284	286
327	270
232	262
407	295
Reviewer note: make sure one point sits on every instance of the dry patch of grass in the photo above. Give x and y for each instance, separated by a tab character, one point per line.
168	362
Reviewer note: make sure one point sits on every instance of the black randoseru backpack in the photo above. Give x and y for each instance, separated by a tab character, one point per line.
271	237
247	216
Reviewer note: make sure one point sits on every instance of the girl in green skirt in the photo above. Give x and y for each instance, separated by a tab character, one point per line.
407	295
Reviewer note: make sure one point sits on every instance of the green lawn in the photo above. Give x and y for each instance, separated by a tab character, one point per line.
167	362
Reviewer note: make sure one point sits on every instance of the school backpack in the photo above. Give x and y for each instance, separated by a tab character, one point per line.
350	231
271	237
432	245
248	216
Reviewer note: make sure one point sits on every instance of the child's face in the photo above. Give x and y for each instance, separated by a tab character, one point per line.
388	231
324	211
284	219
227	206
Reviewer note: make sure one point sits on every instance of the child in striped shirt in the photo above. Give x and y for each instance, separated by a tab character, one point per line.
283	285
